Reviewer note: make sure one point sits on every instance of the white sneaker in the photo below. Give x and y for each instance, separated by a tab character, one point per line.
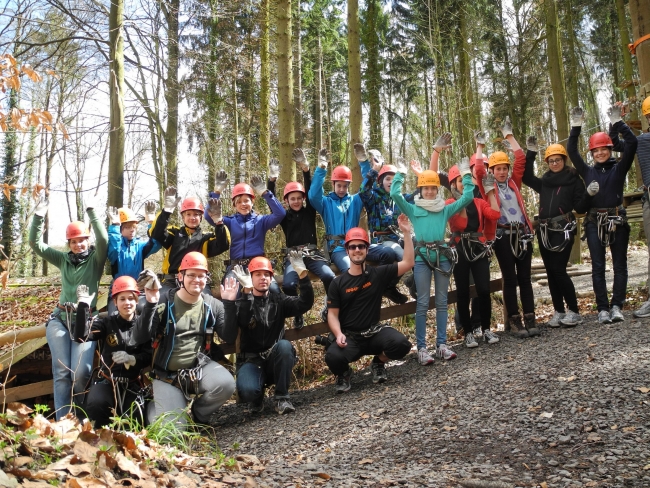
470	341
424	358
604	318
616	314
555	321
644	311
443	352
490	337
477	332
570	319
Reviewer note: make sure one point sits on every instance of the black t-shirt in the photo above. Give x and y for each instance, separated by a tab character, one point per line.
359	309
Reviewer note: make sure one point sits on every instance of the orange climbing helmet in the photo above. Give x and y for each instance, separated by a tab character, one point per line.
293	186
341	173
242	189
600	139
554	150
194	260
496	158
356	234
127	215
260	263
192	203
76	230
645	106
124	283
428	178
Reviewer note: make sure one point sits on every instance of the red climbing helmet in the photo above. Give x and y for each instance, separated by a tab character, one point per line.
194	260
260	263
341	173
124	283
191	203
242	189
600	139
76	230
293	186
356	234
472	160
454	173
386	169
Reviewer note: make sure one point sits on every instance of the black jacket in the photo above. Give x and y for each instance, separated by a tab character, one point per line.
116	334
261	319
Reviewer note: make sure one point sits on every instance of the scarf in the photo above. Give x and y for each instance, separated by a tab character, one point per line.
435	205
77	259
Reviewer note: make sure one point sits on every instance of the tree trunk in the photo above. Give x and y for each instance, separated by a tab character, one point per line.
318	102
466	113
507	69
556	70
285	90
641	27
236	152
572	70
354	87
373	74
297	79
10	205
116	91
265	92
172	92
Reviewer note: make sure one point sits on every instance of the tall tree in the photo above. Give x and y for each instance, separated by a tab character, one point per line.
354	86
171	9
372	28
116	90
556	70
265	82
285	90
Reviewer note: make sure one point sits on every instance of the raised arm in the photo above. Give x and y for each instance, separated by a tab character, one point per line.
41	249
442	144
408	260
529	179
577	119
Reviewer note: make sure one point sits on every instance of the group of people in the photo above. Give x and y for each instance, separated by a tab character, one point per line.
172	322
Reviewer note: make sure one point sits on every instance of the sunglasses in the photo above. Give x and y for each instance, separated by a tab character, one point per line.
360	247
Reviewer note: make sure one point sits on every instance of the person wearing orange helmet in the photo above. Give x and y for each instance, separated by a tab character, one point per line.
117	383
126	253
299	226
265	357
184	329
605	223
354	304
82	265
189	237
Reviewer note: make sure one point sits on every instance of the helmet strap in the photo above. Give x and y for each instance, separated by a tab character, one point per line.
182	285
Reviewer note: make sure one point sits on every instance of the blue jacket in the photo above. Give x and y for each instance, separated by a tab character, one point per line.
127	257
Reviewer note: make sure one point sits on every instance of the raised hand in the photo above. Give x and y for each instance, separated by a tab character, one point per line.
147	280
404	224
295	258
376	158
463	166
229	289
488	183
531	144
400	165
220	181
614	113
506	145
593	188
123	357
416	167
257	183
214	210
149	211
170	199
298	155
577	116
42	206
323	156
506	128
480	137
113	215
83	295
360	152
274	169
443	143
244	277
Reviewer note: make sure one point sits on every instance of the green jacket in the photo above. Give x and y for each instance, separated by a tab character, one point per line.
87	273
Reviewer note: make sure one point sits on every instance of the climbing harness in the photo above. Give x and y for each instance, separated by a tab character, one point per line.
440	248
555	225
308	251
338	240
606	220
472	246
518	237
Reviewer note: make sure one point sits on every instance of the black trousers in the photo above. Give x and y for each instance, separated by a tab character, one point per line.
559	281
480	270
100	402
388	340
515	272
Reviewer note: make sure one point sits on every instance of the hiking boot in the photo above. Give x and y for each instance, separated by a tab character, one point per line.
470	342
394	295
490	337
409	281
643	312
516	327
378	372
444	352
570	319
298	322
616	314
555	321
531	325
256	407
424	358
478	332
284	406
604	318
343	383
323	314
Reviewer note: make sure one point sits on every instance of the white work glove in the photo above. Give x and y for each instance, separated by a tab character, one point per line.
298	155
83	296
400	165
360	152
323	156
376	157
506	128
463	166
480	137
113	215
577	116
274	169
150	211
257	183
488	183
614	113
123	357
220	181
170	199
214	210
148	279
295	258
41	206
443	143
593	188
531	144
506	145
243	276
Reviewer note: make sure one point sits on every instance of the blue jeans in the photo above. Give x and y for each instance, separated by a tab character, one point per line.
397	249
255	373
71	365
619	263
376	252
317	266
422	274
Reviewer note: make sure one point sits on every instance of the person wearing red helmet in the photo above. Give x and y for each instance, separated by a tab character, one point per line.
605	223
354	306
265	357
82	265
189	237
117	384
184	329
299	226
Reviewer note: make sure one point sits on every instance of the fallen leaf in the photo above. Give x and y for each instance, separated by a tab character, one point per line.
87	482
85	452
324	476
593	437
629	429
643	389
546	415
79	469
449	428
366	461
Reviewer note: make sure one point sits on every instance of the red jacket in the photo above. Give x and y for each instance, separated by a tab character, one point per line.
487	218
514	182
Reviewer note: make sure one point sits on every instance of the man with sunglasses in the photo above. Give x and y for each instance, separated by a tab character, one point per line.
354	304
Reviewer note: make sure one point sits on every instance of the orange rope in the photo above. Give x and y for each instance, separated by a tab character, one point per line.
632	47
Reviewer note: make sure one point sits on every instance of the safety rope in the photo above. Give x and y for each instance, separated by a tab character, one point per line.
546	226
519	240
440	248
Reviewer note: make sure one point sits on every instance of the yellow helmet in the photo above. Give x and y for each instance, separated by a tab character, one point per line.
498	157
645	106
554	150
428	178
127	215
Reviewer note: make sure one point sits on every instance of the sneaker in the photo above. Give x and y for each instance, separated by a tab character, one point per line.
616	314
604	318
424	358
443	352
555	321
256	407
323	314
644	311
394	295
478	332
490	337
343	383
298	322
284	406
378	372
470	341
570	319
